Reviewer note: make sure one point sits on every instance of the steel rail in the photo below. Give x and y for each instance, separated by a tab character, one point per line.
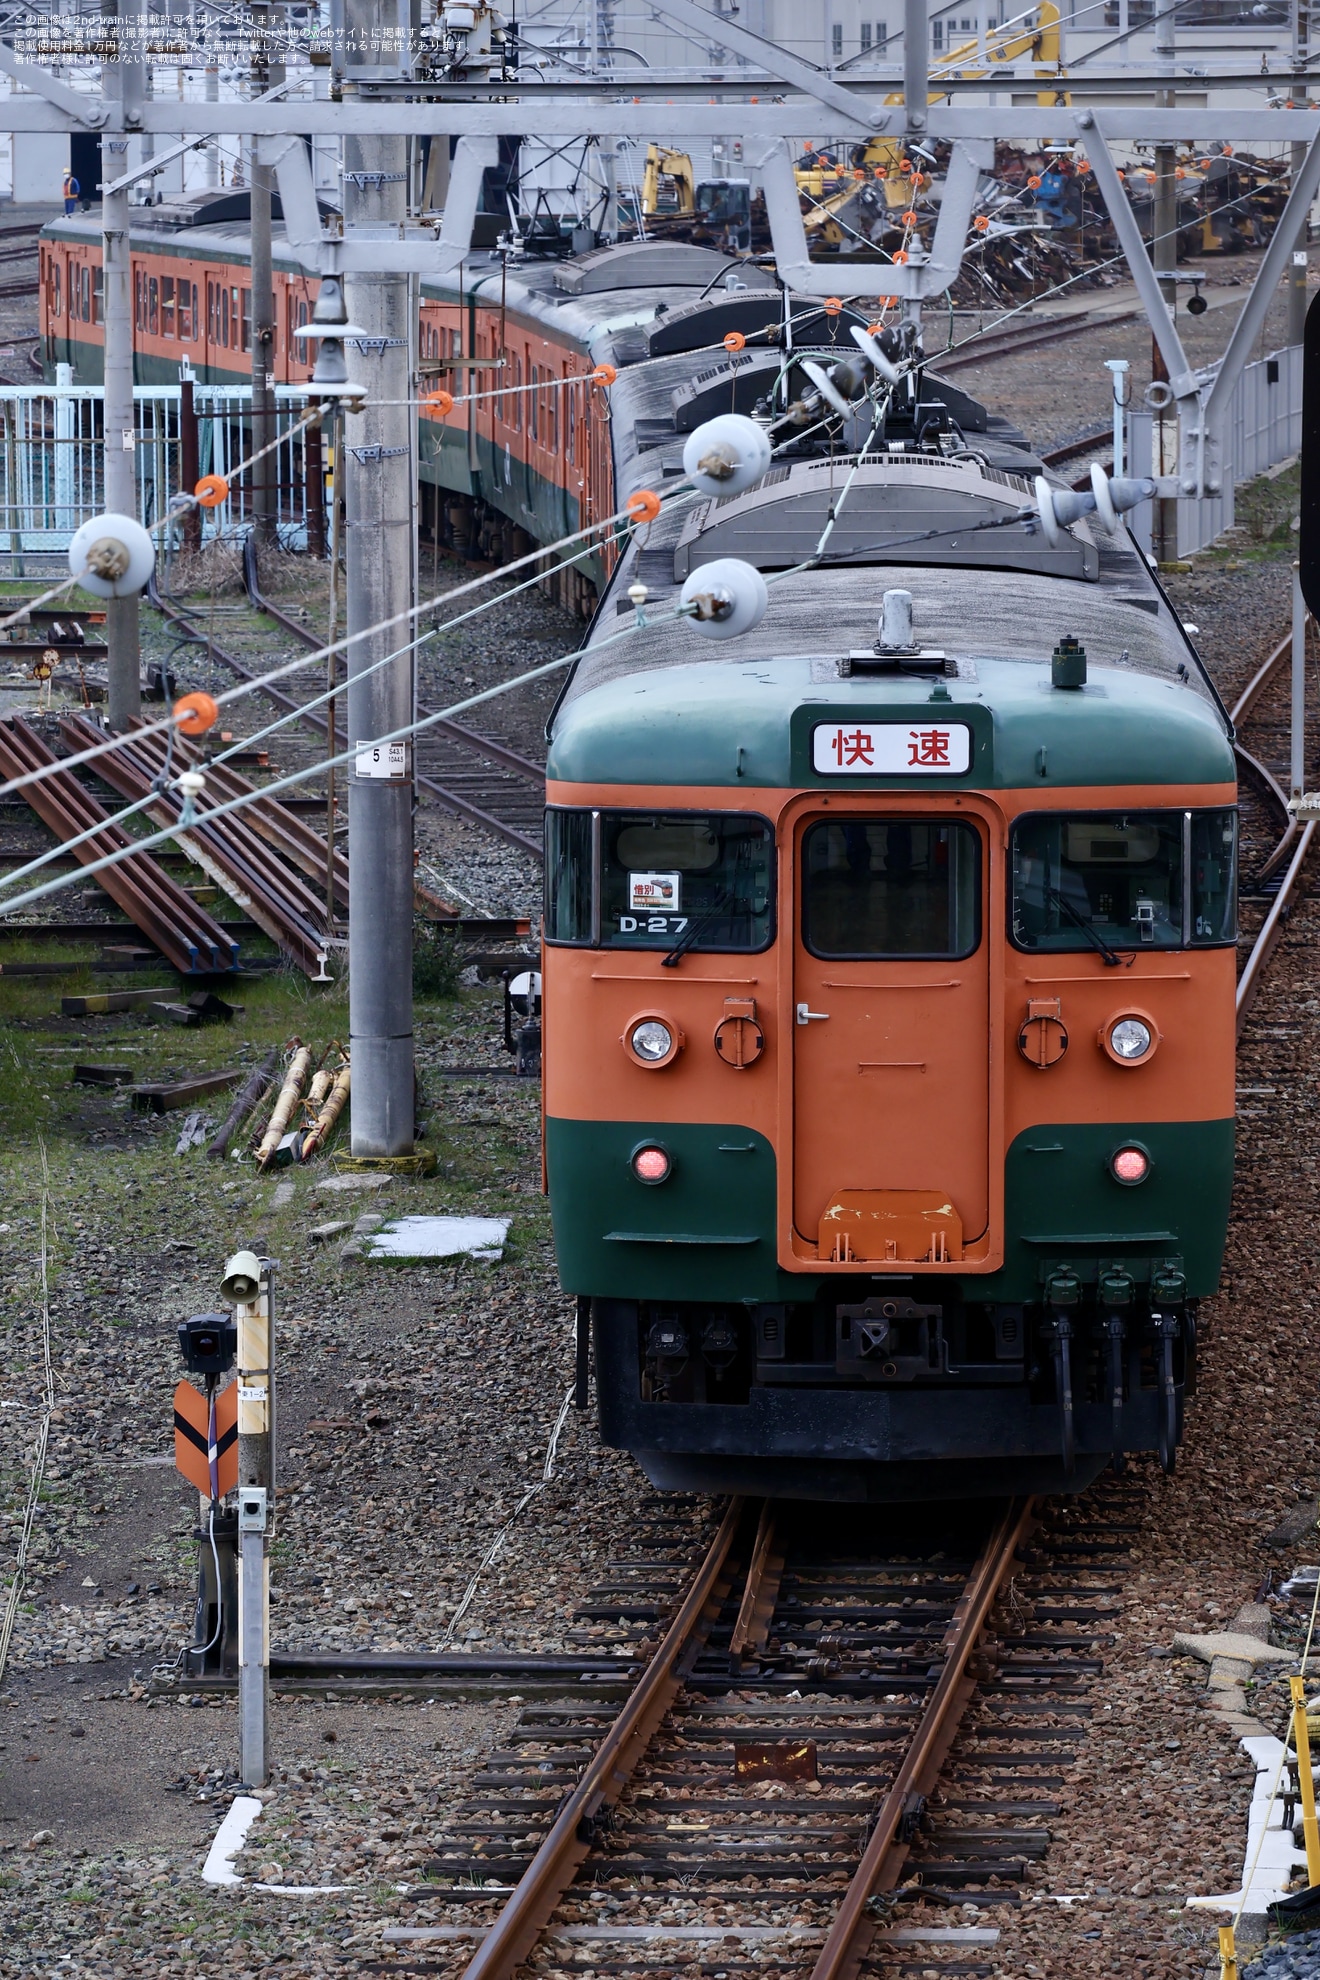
551	1871
230	851
855	1925
1260	680
185	934
450	800
1270	930
509	759
974	351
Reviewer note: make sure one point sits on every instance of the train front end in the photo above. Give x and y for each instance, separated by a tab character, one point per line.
889	1050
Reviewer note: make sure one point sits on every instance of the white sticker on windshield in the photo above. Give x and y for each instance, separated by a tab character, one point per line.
651	892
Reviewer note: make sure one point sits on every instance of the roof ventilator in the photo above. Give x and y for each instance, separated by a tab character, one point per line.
896	650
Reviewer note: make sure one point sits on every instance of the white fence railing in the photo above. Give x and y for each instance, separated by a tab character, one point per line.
1264	427
51	471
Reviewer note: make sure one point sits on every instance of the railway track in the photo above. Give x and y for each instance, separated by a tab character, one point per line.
1279	873
983	350
467	774
828	1726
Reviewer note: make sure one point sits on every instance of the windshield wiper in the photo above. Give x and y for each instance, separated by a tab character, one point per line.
1112	958
674	956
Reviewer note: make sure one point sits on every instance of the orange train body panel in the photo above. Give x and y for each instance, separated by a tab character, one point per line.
907	1095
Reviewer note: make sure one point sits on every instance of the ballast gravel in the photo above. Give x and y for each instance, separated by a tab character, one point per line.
1294	1958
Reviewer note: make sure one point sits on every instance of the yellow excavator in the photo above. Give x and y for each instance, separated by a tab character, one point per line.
1041	43
667	183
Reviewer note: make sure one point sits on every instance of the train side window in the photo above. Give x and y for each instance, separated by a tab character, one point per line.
98	294
187	311
85	294
153	306
224	315
1096	880
167	305
568	863
891	887
246	320
1213	853
533	399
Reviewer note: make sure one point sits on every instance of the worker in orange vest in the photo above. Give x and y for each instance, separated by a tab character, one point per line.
71	192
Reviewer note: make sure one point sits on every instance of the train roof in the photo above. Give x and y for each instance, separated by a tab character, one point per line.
727	718
653	698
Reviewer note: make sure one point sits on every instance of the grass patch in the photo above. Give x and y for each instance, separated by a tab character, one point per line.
437	963
1264	512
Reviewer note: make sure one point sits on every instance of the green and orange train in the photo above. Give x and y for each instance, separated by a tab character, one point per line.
888	994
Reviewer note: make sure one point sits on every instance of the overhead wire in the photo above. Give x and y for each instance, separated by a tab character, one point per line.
678	494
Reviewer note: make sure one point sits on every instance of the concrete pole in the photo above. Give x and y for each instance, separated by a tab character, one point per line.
1301	28
916	63
265	475
1164	256
380	564
124	89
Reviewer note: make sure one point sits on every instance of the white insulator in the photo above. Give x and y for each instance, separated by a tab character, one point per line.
870	348
726	455
896	622
728	597
820	378
1060	506
1114	498
112	556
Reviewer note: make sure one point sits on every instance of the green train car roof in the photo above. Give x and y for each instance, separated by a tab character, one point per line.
725	718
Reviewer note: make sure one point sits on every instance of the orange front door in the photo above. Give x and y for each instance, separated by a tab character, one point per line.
891	1055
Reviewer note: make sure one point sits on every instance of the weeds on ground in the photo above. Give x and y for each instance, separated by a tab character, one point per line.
1265	510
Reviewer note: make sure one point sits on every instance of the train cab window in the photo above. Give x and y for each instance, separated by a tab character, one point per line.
1213	862
891	888
1124	880
167	305
568	869
650	880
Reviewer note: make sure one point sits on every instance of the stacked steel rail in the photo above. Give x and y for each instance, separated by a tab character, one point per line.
183	932
233	850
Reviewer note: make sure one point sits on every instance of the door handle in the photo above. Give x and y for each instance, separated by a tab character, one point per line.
806	1016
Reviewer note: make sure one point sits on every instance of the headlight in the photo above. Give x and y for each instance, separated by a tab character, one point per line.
1131	1038
1129	1165
651	1163
651	1040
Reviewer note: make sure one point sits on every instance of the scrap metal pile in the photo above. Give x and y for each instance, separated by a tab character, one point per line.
1040	220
